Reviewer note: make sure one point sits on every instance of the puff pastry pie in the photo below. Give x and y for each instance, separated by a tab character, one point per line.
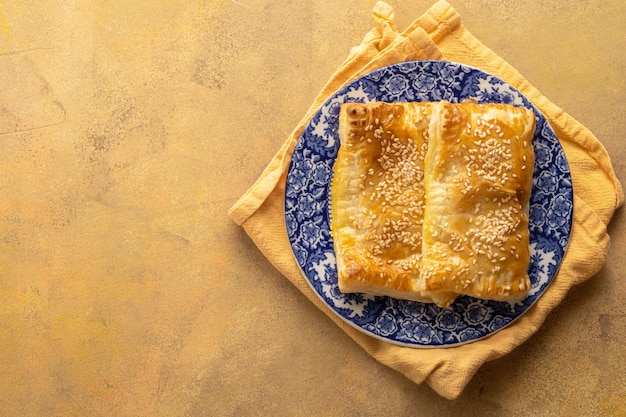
477	190
430	200
377	203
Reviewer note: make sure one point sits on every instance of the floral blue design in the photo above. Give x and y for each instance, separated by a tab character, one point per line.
559	211
477	313
498	322
300	253
321	173
496	95
291	224
405	322
447	319
537	216
547	182
543	155
297	180
469	335
411	309
536	267
310	234
396	85
561	162
307	205
333	110
386	324
424	82
415	330
335	292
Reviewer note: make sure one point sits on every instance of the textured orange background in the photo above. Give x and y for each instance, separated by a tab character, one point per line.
127	130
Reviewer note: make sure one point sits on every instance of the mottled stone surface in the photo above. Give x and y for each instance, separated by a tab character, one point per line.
127	130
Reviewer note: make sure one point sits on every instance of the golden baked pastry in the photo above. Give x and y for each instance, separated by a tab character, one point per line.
430	200
377	200
477	189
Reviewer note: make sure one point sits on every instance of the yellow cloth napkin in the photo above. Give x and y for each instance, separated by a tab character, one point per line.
440	34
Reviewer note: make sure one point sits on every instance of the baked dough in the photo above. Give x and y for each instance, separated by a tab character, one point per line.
478	181
377	203
430	200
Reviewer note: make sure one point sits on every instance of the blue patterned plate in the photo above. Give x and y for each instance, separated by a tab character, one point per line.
412	323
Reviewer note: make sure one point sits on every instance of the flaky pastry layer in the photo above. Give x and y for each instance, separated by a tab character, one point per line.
477	190
430	200
377	203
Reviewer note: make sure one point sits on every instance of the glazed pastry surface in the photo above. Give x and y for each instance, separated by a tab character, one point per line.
378	198
430	200
477	189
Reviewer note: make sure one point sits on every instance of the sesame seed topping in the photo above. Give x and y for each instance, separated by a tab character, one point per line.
482	236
